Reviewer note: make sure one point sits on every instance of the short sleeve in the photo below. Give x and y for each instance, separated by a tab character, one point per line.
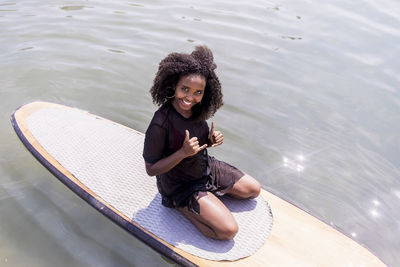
154	143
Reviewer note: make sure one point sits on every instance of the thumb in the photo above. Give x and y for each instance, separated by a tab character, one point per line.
212	128
187	135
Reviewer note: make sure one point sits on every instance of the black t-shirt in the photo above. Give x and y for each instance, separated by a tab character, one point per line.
164	136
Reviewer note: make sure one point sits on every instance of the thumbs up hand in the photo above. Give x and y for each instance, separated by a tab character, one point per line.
216	137
191	146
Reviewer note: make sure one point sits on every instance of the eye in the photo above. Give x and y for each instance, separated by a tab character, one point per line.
185	89
199	92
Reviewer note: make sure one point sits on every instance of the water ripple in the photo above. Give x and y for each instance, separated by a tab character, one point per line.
307	78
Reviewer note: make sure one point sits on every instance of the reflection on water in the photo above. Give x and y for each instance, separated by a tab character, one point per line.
312	103
294	164
68	8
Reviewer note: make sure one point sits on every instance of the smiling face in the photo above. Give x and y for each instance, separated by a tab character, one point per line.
188	92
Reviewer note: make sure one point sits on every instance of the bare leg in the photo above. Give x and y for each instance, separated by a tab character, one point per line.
215	220
246	187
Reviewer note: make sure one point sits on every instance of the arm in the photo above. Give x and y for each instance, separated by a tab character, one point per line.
189	148
165	164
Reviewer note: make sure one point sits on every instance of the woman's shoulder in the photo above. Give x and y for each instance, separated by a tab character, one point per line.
161	115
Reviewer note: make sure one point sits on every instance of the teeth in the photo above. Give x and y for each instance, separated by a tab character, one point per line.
186	103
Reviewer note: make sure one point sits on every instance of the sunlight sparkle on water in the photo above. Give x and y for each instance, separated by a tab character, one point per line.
376	202
299	168
294	164
374	213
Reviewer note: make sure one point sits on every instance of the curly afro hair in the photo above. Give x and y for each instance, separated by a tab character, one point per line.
176	65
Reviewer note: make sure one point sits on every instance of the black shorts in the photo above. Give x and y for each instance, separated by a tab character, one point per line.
221	179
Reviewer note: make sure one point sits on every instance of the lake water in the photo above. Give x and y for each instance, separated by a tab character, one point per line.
312	110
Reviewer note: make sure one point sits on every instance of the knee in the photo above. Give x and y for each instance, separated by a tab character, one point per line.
228	231
255	190
250	187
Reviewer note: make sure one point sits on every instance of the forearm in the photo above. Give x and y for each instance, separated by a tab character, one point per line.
165	164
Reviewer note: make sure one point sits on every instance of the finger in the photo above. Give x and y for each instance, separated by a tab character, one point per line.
187	135
194	143
218	134
212	129
202	147
217	144
219	141
193	140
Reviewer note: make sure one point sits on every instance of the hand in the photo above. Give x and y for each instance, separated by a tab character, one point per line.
191	146
216	137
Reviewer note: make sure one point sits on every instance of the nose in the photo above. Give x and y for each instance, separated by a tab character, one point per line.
189	96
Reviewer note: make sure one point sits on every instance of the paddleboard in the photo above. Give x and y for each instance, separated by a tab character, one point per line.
100	160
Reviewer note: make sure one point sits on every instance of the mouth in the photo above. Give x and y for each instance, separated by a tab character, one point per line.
186	103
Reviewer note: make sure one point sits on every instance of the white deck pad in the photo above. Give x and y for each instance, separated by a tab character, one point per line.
107	158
